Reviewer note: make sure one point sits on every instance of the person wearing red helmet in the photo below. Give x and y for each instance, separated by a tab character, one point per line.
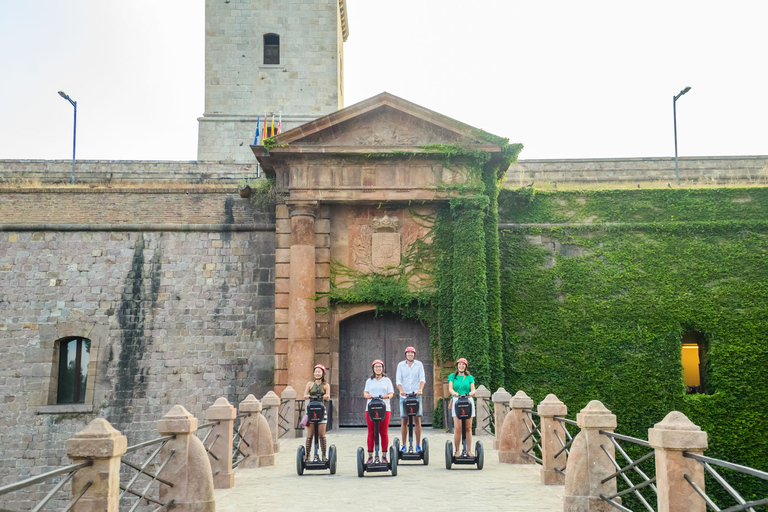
315	387
461	383
410	378
378	385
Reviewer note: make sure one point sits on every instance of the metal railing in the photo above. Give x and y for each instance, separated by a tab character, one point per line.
489	428
533	432
67	471
209	446
565	444
708	462
239	429
284	424
634	465
144	476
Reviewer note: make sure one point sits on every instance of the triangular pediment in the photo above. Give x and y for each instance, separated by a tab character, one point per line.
383	122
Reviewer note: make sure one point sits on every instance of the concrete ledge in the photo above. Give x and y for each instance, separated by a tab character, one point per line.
64	409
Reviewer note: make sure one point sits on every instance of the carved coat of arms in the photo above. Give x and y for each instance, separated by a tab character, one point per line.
384	249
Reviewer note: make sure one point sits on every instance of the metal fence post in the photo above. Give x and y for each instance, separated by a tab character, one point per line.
550	407
104	445
669	438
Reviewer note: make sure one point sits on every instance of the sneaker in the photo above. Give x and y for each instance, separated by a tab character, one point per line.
418	449
384	459
402	449
370	460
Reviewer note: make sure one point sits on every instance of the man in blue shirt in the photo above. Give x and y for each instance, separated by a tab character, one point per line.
410	378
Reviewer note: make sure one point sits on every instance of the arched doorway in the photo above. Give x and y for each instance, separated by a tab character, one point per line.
365	337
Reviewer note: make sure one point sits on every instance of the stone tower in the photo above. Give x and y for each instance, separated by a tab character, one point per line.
268	56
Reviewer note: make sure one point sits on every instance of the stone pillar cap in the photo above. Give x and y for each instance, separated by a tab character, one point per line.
677	432
250	404
98	440
177	421
270	399
501	395
596	415
221	410
289	393
551	406
482	392
521	401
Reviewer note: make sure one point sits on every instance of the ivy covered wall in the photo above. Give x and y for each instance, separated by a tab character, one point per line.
598	310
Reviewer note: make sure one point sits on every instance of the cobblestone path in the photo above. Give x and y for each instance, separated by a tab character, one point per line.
504	487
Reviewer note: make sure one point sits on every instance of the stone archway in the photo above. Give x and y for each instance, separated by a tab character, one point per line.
365	337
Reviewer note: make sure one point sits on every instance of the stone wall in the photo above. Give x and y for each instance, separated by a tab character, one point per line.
692	170
179	305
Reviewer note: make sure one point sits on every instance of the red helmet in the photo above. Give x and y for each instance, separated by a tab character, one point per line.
410	349
462	360
377	361
321	367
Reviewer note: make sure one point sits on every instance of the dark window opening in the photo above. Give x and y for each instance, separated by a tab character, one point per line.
74	354
695	357
271	49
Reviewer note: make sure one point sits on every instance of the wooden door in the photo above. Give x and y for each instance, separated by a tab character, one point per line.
365	337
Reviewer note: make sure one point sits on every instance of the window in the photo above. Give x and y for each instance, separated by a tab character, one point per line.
271	49
74	355
694	362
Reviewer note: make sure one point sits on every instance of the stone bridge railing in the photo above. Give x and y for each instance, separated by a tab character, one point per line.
178	470
588	465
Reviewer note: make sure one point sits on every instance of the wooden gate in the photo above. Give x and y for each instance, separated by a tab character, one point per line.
365	337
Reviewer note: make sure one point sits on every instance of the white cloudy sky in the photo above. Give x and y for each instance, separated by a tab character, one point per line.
569	79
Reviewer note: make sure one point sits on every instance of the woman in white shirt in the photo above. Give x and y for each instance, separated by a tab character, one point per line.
378	385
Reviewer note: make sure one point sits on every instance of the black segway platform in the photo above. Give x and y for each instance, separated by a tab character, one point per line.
411	406
377	411
316	413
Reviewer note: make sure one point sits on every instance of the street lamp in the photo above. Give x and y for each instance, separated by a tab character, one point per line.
74	132
674	115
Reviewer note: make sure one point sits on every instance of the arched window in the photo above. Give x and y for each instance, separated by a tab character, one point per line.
694	362
271	49
74	355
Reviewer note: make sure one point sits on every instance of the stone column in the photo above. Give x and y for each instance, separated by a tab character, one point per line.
500	410
271	410
301	306
513	431
669	438
588	465
188	469
99	442
483	413
220	443
287	428
257	446
550	407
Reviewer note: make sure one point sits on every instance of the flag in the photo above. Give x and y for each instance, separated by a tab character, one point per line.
266	128
273	125
256	139
280	123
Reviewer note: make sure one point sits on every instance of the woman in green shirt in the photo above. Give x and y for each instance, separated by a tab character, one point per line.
461	383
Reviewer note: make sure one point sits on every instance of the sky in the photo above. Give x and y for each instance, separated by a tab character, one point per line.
568	79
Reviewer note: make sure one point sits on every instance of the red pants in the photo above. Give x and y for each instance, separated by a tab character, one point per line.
383	434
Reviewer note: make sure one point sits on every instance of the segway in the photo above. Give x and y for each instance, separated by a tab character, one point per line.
411	407
464	413
316	413
377	410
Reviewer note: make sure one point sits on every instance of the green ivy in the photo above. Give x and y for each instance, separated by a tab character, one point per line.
597	311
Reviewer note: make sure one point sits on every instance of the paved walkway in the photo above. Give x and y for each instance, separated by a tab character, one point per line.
506	487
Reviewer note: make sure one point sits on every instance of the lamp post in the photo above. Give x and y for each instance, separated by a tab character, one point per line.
674	115
74	131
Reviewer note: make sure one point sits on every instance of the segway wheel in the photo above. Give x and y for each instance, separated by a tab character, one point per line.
332	459
425	451
479	456
360	462
448	454
300	461
396	444
393	460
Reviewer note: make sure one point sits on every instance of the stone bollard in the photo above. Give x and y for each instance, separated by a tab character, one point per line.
669	438
287	425
483	424
500	410
550	407
104	445
588	465
271	410
256	445
514	431
220	443
188	469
